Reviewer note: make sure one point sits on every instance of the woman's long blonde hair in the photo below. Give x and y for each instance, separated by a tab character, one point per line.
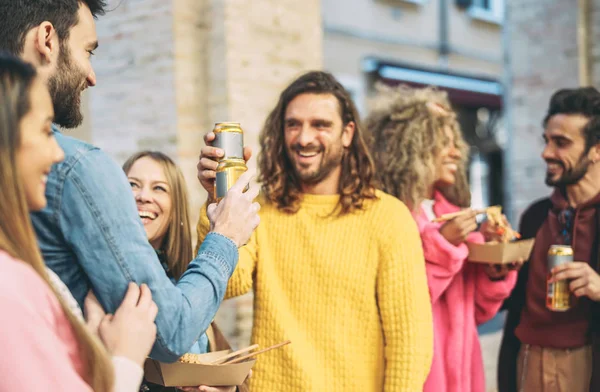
408	134
177	244
17	237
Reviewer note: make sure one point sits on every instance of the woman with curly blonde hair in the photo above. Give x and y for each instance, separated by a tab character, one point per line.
421	159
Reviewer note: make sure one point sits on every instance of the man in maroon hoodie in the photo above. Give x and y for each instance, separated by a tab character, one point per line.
543	350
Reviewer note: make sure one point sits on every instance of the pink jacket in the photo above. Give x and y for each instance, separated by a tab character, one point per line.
38	345
39	348
462	297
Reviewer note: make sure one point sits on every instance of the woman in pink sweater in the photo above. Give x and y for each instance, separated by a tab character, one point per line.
44	346
421	158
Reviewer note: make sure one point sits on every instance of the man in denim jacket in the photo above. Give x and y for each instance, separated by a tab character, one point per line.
90	233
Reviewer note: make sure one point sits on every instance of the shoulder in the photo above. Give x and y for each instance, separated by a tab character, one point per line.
540	206
389	217
387	205
84	157
534	216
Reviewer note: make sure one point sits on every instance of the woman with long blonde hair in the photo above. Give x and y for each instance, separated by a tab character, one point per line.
160	192
421	159
44	345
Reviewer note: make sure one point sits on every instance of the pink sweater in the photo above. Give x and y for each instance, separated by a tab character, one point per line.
39	349
462	297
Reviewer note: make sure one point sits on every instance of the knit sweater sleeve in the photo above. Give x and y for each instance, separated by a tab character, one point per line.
489	295
403	300
443	259
241	280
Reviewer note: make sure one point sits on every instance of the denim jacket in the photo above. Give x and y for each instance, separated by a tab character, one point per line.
91	236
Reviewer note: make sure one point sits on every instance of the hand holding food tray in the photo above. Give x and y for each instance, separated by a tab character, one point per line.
507	249
220	368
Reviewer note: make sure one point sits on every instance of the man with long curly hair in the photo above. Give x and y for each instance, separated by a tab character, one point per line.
336	266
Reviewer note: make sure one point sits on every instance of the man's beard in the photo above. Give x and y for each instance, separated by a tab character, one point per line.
65	88
571	176
329	162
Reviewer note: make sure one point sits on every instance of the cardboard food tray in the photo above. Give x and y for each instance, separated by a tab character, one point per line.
180	374
500	253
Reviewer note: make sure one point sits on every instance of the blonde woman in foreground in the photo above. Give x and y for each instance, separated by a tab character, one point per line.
44	345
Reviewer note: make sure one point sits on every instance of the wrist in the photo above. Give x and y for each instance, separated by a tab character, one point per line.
222	233
137	359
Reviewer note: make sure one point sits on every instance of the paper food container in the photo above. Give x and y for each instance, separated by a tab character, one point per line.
500	253
180	374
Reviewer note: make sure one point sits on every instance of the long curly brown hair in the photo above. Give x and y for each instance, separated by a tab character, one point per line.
281	185
408	133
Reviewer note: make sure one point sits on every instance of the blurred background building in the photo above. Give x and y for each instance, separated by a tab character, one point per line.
169	69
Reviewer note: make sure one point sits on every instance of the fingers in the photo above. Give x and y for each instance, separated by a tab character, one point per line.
208	165
209	137
242	182
131	296
253	191
579	283
210	211
581	292
516	265
106	320
247	153
145	298
568	271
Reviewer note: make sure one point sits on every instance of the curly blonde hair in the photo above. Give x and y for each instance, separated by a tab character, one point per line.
281	185
407	125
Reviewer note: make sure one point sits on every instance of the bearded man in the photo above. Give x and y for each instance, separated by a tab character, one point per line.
337	267
544	350
90	233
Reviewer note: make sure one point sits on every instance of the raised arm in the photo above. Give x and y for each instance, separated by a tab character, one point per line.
242	279
99	220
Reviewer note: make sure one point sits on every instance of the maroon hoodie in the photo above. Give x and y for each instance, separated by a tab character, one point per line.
540	326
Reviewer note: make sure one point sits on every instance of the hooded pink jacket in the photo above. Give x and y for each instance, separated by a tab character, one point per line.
462	297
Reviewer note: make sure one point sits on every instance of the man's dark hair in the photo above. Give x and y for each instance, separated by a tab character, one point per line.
17	17
584	101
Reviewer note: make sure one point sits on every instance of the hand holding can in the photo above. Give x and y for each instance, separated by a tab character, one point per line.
558	296
221	147
236	216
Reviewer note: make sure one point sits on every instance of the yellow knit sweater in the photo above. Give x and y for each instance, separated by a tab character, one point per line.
350	292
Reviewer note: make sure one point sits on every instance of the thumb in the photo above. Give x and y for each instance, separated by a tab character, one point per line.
210	211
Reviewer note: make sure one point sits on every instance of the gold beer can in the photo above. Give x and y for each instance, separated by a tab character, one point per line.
558	295
229	137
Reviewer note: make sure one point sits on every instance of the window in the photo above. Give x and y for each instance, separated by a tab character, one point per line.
487	10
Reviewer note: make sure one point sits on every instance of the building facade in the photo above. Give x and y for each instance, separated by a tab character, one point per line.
456	45
551	44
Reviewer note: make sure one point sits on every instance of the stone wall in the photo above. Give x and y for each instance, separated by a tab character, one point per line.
542	57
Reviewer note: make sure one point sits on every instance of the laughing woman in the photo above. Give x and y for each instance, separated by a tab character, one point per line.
45	347
160	193
421	157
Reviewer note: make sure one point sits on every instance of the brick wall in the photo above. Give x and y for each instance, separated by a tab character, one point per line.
542	57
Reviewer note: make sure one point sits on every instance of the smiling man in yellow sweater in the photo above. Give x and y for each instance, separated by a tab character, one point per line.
336	266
